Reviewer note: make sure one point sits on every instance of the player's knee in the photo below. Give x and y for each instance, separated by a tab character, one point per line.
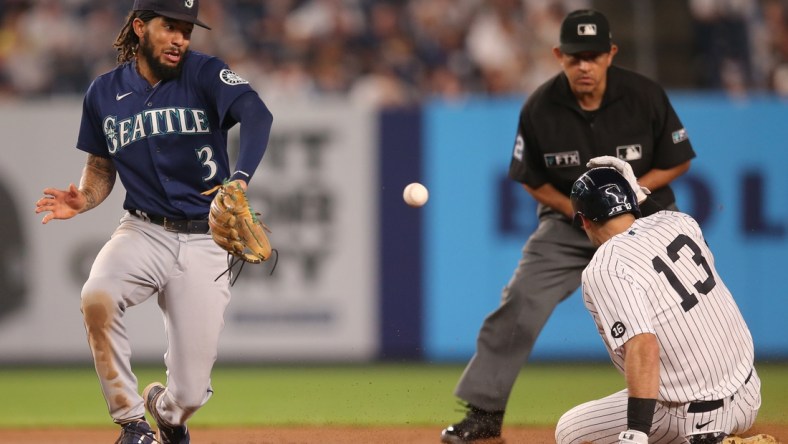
565	431
97	301
99	289
98	310
560	430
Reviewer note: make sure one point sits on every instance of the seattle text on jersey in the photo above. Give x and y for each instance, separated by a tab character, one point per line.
151	123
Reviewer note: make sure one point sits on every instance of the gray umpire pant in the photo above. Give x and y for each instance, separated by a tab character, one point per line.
548	272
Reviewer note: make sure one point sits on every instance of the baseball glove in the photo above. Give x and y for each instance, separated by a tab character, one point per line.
757	439
235	226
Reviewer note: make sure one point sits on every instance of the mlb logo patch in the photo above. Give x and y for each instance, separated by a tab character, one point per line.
562	160
586	29
629	152
679	136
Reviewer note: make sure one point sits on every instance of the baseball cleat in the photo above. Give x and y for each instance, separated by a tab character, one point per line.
756	439
136	432
478	427
168	434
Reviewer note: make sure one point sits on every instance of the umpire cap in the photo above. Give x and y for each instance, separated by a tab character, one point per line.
585	30
601	193
184	10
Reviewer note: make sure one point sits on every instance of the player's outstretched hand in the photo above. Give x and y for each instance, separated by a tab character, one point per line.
632	437
60	204
625	169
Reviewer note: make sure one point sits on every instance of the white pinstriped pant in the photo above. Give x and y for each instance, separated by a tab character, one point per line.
600	421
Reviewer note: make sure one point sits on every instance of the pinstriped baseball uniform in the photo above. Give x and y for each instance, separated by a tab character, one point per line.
658	277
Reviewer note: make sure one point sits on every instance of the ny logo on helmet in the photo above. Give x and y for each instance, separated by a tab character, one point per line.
617	198
189	3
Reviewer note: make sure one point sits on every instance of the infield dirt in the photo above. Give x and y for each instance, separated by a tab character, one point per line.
303	435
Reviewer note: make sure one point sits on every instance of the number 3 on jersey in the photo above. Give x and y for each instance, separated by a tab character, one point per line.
205	155
688	300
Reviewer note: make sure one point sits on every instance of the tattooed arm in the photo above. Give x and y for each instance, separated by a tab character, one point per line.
98	179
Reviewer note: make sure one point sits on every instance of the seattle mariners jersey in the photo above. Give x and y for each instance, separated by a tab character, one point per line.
659	277
168	141
635	122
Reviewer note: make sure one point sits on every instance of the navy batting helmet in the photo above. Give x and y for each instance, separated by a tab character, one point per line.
601	193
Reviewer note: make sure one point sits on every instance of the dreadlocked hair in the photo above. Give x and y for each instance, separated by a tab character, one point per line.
127	41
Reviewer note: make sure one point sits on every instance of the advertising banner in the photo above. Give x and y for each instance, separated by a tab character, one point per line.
478	220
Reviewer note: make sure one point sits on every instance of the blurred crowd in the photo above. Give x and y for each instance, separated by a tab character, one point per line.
382	52
740	45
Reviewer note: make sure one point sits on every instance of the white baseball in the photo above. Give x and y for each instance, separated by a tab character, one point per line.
415	194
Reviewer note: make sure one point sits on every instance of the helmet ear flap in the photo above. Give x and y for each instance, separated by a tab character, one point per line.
577	220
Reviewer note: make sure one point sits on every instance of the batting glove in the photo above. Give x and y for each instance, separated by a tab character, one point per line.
625	169
632	437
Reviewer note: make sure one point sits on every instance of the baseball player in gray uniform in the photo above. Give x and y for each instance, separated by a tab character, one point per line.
668	321
159	121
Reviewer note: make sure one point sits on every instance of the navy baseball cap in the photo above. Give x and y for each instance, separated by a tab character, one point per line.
585	30
184	10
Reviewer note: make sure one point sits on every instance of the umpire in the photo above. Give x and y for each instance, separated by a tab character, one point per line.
590	109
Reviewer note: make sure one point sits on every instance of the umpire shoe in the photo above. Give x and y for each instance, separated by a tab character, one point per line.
478	427
136	432
168	434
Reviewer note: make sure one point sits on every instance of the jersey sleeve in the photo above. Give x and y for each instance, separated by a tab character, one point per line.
255	120
672	145
91	137
622	310
526	166
222	87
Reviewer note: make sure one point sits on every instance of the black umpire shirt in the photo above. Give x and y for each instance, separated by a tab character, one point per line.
635	122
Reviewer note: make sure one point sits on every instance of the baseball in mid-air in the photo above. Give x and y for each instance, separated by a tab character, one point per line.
415	194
